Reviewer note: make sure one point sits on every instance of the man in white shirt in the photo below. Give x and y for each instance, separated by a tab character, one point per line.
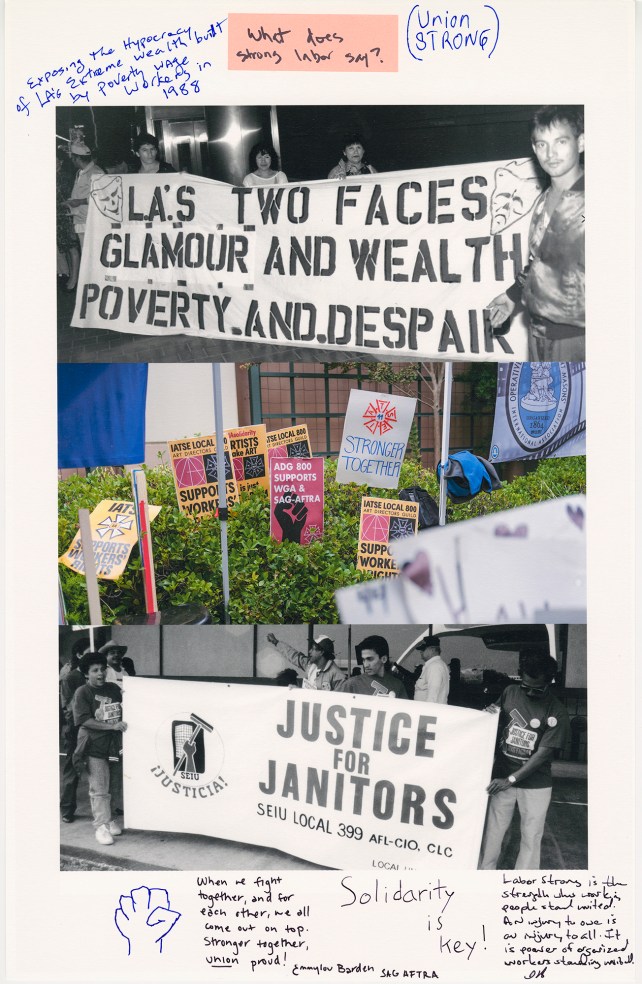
434	683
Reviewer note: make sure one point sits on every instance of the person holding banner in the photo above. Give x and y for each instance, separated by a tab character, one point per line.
84	160
552	284
376	680
321	672
353	159
264	167
147	150
533	725
434	683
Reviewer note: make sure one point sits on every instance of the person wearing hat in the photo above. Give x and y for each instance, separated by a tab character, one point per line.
376	680
83	159
321	672
434	683
533	725
115	671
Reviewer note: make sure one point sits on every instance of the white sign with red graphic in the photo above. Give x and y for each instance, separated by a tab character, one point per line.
374	439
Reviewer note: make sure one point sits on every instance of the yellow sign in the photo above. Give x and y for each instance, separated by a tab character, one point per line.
383	520
113	534
289	442
248	451
195	468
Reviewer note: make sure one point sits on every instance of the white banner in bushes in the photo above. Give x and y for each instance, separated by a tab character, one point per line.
341	780
400	263
521	565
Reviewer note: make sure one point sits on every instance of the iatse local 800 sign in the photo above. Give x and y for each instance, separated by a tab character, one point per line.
313	264
342	780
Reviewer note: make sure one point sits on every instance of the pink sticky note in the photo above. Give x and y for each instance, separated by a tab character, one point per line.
316	42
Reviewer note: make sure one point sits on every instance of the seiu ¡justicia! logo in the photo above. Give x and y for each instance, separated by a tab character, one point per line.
190	756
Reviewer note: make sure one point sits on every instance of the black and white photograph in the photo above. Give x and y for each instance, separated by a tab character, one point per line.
495	741
449	232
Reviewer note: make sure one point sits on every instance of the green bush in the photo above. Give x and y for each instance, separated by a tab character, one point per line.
270	582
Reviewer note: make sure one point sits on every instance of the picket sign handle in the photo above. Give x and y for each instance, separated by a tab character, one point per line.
62	607
445	441
143	524
91	580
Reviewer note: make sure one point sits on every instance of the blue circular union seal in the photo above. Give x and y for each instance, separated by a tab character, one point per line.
538	395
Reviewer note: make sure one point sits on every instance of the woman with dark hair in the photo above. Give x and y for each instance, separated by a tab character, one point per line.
353	159
147	150
264	167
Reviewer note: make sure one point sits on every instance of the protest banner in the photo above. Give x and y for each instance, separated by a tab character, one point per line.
375	435
113	534
289	442
540	411
247	447
296	499
346	781
195	469
383	520
522	565
312	265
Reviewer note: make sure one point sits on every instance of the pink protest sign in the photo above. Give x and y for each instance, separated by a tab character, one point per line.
296	499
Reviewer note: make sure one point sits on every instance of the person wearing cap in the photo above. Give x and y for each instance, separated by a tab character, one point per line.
434	683
115	671
83	158
376	680
533	725
321	672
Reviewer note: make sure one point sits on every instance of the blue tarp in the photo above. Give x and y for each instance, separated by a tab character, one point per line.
101	414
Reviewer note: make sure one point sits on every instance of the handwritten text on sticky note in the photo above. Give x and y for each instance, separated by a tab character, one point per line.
319	42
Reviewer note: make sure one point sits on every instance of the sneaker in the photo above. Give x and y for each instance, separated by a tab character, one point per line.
114	829
67	818
103	836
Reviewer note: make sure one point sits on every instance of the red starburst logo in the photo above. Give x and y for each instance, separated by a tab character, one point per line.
380	417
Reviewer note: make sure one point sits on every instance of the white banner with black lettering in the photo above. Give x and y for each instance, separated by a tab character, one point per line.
540	411
395	264
342	780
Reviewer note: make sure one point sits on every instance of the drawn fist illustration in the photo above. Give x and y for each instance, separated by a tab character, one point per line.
145	918
291	517
272	639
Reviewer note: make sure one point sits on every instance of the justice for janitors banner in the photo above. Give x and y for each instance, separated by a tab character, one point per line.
343	780
402	263
540	411
113	534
